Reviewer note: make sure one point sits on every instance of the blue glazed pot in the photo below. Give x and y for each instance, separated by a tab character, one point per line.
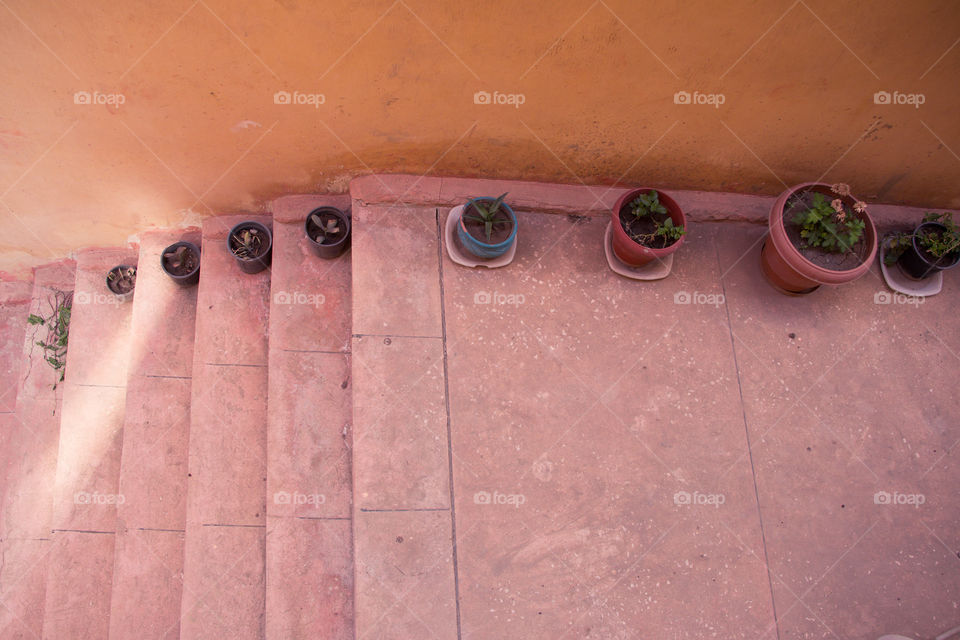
478	247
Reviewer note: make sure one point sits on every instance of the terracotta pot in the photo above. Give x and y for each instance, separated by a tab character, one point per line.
784	265
628	250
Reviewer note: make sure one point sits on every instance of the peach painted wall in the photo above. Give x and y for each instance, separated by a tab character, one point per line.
183	123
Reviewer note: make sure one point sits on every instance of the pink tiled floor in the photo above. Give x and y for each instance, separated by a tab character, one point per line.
626	465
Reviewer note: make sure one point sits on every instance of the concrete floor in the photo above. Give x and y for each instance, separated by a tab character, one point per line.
695	457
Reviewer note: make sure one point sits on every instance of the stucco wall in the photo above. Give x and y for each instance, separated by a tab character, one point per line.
188	124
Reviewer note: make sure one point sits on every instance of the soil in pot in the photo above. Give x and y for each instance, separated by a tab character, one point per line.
325	227
645	225
248	243
181	261
502	226
844	261
122	279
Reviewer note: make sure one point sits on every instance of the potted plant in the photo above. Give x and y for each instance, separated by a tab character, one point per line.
933	246
251	244
328	230
647	225
181	261
819	234
121	280
487	227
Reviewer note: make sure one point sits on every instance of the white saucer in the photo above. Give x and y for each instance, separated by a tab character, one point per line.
653	270
929	286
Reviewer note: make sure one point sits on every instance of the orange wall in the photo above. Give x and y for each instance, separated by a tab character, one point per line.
199	132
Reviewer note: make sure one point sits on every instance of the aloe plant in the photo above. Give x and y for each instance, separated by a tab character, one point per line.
486	213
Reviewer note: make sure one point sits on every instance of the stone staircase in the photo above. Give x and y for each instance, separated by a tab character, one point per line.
191	476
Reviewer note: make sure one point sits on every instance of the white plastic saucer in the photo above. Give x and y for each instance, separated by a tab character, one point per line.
929	286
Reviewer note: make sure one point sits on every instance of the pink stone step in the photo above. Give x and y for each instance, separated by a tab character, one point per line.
223	571
148	560
309	562
88	464
14	307
31	439
403	527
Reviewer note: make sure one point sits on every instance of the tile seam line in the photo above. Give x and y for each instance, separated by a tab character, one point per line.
746	430
394	335
446	399
403	510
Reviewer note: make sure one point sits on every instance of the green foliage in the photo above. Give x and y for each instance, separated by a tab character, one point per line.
57	325
830	230
486	213
937	243
648	204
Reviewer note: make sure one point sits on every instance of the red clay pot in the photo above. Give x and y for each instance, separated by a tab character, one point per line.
787	269
626	248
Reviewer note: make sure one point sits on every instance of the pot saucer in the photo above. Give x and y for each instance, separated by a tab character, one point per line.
653	270
463	257
929	286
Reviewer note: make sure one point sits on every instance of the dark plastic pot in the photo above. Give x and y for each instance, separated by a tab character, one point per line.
628	250
333	250
480	248
112	282
786	268
913	262
186	280
261	262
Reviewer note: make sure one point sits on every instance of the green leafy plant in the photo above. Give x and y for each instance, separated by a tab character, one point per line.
648	204
57	326
247	243
331	227
830	226
937	243
486	213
